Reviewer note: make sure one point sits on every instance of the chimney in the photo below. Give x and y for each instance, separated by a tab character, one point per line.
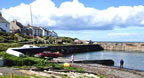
28	25
0	14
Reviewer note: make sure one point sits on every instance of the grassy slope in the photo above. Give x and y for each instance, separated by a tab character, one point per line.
24	62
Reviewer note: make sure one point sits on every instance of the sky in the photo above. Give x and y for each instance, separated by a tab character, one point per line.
97	20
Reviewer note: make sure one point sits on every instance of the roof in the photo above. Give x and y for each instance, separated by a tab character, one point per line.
3	20
44	29
54	32
34	27
19	24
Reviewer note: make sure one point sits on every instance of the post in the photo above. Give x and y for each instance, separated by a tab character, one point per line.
11	75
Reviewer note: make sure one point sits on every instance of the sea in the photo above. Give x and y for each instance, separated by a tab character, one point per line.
132	60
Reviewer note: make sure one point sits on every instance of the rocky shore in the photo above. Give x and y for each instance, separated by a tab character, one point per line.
92	70
108	71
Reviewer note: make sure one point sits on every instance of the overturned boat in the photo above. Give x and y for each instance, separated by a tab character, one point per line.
15	52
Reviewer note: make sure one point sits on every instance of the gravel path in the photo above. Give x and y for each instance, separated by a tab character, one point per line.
7	70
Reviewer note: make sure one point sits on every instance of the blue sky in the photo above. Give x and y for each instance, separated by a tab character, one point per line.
97	20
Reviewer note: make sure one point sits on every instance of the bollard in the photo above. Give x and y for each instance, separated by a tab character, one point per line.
11	75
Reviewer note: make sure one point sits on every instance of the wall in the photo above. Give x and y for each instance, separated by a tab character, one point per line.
122	46
5	27
14	27
63	49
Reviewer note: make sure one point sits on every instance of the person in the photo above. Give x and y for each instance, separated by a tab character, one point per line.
121	63
72	58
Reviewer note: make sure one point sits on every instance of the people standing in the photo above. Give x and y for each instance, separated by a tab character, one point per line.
72	58
121	63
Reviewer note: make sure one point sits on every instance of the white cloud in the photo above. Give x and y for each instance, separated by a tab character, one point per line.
75	16
121	34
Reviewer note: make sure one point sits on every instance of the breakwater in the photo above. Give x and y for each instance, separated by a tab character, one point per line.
107	62
68	49
122	46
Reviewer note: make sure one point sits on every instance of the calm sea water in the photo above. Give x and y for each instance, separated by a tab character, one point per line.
132	60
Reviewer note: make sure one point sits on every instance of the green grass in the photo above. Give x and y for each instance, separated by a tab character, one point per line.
34	76
10	60
101	76
74	69
28	62
5	46
64	76
14	76
22	76
51	45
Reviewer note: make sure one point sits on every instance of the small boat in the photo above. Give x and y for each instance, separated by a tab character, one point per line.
49	54
14	52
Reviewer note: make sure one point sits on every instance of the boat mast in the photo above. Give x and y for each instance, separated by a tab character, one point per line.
32	23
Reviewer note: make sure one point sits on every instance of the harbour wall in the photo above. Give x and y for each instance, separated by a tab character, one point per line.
99	46
122	46
69	49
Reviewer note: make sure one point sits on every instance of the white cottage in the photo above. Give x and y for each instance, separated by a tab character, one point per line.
45	32
36	31
4	24
54	34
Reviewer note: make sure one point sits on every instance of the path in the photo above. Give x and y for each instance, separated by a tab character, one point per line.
8	70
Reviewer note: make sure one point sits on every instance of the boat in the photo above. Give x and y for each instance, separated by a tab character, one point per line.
13	51
49	54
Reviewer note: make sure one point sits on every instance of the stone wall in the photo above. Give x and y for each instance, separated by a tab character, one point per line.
69	49
122	46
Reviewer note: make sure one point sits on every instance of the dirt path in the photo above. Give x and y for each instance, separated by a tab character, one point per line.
8	70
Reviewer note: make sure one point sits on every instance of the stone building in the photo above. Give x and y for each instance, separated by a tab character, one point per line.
17	27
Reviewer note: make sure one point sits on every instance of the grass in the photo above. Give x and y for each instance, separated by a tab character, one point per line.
28	62
10	60
65	76
5	46
45	45
14	76
22	76
74	69
101	76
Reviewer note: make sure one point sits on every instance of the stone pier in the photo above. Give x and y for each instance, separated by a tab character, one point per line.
68	49
122	46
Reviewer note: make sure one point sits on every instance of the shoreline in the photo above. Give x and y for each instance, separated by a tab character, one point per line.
108	71
97	69
129	69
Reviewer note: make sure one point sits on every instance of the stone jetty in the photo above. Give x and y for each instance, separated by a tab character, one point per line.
122	46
